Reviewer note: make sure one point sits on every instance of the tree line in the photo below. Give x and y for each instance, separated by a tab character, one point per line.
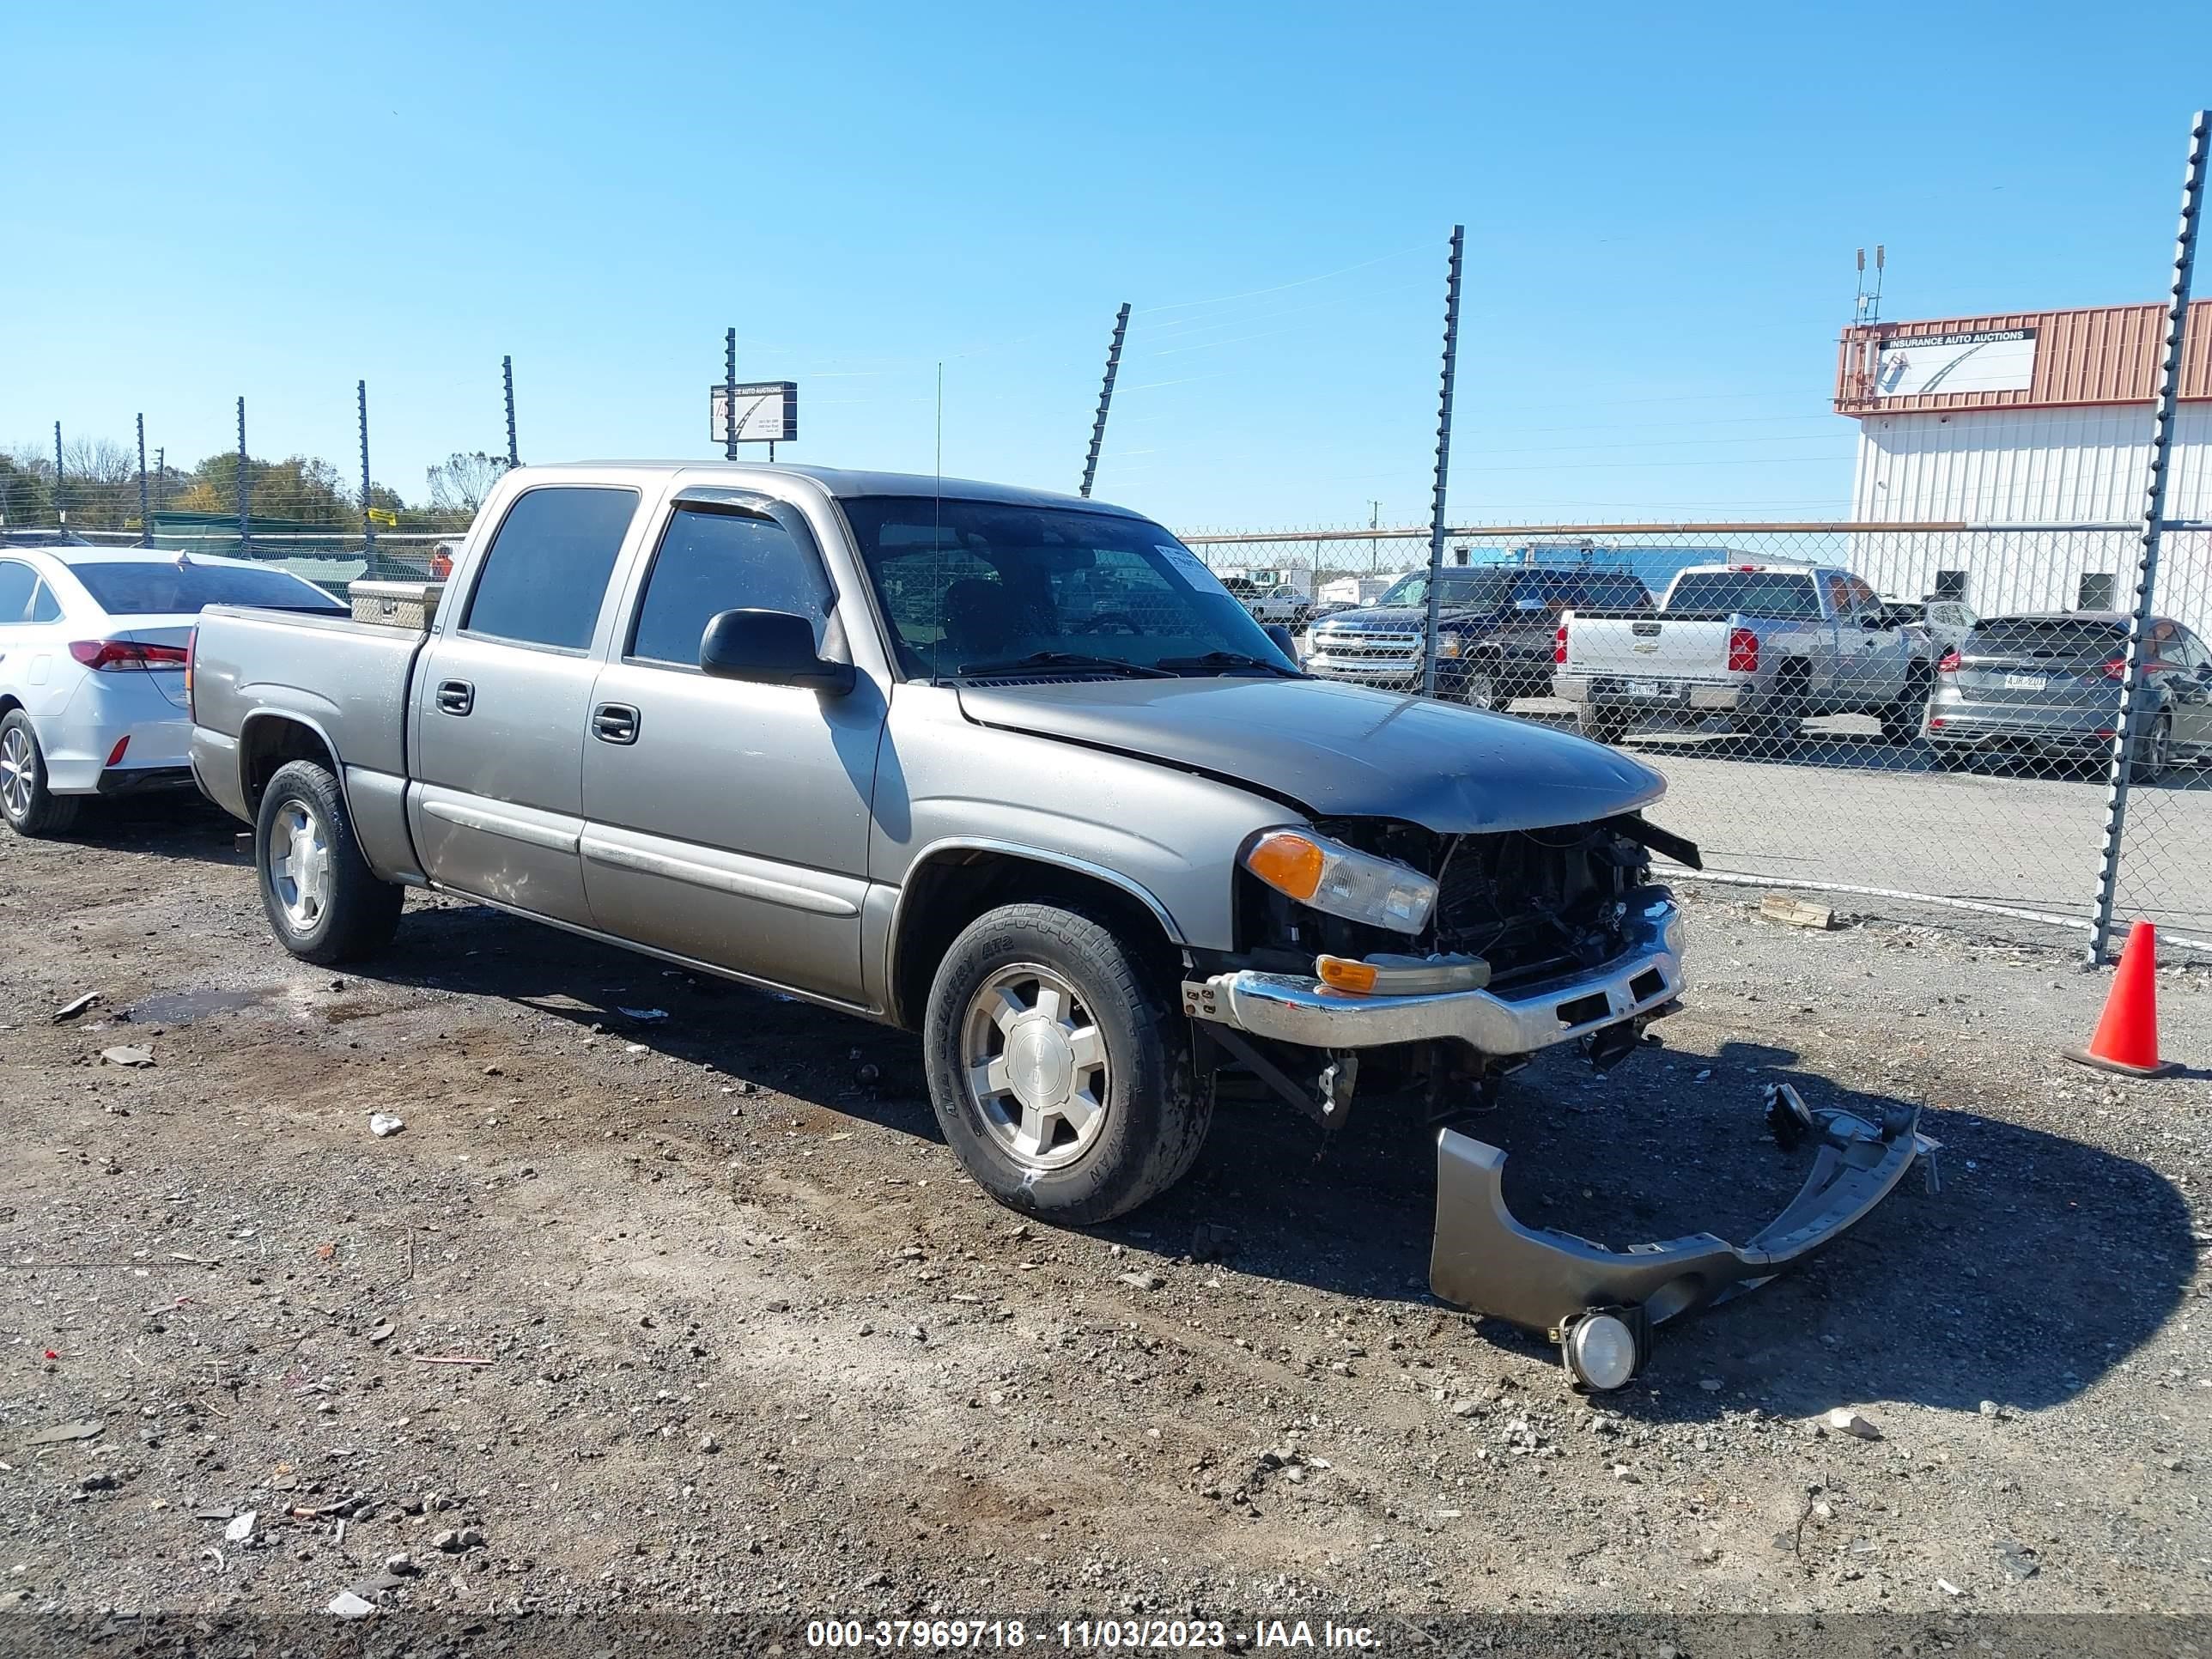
97	488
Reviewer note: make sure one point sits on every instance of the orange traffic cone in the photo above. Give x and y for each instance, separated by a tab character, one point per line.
2127	1033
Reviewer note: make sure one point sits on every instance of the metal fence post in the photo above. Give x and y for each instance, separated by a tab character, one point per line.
1105	399
61	502
368	522
145	501
245	490
730	396
507	378
1443	464
2127	728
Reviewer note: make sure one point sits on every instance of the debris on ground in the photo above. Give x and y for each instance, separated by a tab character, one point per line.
241	1526
1142	1281
1796	912
645	1014
128	1055
347	1605
1845	1421
74	1006
61	1432
382	1124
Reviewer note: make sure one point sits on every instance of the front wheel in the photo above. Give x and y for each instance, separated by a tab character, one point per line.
323	903
30	806
1064	1082
1479	688
1599	725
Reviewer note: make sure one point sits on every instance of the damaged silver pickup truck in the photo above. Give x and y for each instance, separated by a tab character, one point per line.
1016	771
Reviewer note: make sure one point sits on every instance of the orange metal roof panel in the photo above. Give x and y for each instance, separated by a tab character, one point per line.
2093	355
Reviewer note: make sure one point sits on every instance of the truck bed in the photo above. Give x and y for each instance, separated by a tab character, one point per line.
351	680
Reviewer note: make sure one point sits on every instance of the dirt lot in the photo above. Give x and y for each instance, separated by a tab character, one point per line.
754	1342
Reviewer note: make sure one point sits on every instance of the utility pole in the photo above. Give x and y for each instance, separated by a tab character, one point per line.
1443	461
730	395
245	490
145	509
2128	728
506	376
1105	398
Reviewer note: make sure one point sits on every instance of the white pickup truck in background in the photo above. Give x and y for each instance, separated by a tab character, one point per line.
1769	645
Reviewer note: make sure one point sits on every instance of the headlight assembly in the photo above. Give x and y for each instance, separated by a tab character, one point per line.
1343	880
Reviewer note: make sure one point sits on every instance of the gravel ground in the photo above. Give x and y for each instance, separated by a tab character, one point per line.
742	1337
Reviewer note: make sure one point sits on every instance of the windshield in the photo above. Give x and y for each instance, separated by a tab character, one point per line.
2049	636
970	586
168	587
1465	590
1758	593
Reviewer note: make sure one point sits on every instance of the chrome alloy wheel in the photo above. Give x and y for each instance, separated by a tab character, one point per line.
299	863
1035	1065
18	771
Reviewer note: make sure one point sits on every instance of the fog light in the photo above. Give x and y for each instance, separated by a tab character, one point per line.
1599	1349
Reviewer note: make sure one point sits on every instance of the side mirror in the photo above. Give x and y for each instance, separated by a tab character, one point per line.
1285	641
1525	604
769	648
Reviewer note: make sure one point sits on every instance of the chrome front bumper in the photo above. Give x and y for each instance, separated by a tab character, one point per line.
1486	1259
1293	1008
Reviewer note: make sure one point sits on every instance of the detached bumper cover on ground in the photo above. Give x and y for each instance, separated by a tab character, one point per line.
1485	1259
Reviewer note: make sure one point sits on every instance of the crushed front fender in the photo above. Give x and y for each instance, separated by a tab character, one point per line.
1485	1259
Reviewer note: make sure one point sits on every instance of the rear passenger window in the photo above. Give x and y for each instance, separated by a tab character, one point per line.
547	569
16	583
711	562
45	607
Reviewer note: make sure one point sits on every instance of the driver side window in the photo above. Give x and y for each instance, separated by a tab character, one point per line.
712	560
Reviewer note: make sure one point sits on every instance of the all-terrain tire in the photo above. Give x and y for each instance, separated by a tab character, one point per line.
354	911
27	801
1157	1108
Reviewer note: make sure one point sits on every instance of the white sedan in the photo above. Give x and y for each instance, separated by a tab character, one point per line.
93	650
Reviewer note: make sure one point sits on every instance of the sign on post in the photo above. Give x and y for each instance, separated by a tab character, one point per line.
767	412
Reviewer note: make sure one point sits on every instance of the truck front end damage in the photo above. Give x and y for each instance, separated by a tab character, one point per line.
1530	938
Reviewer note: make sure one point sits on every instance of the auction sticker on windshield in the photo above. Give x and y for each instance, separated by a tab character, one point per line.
1193	568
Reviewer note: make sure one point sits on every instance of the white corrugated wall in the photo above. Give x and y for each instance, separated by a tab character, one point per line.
2032	466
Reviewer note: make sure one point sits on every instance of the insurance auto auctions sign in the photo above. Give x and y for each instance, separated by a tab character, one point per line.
1983	360
767	412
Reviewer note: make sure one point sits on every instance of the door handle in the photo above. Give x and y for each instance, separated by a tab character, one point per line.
615	722
456	696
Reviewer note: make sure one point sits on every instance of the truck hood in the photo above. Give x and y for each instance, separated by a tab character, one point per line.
1336	750
1397	618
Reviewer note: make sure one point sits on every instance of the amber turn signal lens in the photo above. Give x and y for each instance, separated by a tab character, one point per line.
1340	974
1287	861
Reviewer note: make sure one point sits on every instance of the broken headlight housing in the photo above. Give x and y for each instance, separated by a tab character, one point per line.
1341	880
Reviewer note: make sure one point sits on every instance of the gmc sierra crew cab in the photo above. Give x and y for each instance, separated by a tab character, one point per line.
1013	771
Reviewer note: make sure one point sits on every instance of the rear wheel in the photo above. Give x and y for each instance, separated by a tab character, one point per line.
2153	753
30	806
1063	1079
1901	720
1780	720
323	903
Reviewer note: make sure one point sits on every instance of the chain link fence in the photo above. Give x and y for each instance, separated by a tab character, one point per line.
1919	713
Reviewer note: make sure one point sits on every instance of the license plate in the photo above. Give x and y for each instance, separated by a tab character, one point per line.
2024	682
1644	688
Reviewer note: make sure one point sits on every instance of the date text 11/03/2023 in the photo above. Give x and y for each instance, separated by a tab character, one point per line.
1085	1635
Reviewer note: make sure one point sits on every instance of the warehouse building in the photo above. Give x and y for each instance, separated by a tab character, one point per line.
2019	445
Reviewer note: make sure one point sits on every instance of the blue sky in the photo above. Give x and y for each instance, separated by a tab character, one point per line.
1661	206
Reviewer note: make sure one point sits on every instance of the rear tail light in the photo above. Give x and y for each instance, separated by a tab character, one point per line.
2115	670
1947	663
117	656
1559	644
191	650
1743	651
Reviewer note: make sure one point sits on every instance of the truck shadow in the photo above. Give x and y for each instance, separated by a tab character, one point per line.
2043	1263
